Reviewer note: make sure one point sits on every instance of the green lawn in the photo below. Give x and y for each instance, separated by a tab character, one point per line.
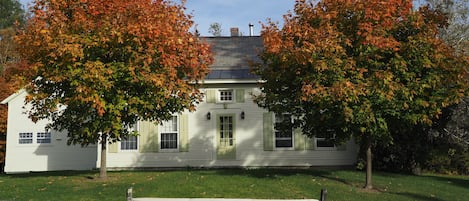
258	183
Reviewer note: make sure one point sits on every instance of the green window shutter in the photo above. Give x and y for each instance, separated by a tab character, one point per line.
239	95
184	133
210	95
268	130
342	147
113	148
217	135
299	139
148	139
310	143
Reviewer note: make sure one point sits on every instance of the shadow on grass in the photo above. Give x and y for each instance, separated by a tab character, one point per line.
268	173
460	182
413	196
279	173
85	174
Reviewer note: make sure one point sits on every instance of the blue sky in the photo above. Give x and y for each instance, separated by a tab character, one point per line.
233	13
237	13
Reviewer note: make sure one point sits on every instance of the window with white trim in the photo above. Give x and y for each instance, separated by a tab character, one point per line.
25	138
43	138
283	132
130	142
169	134
225	95
325	140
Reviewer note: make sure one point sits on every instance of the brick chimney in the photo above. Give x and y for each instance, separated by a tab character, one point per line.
234	31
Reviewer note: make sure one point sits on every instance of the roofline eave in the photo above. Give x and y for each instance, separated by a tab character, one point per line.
12	96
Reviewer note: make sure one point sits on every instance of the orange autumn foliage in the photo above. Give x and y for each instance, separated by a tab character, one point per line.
99	66
358	68
12	72
91	47
348	51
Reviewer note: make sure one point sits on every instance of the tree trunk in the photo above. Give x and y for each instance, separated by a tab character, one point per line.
368	184
103	168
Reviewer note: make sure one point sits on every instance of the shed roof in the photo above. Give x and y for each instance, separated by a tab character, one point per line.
12	96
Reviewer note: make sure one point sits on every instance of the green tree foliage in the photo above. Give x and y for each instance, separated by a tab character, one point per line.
449	138
455	130
359	68
99	66
10	13
443	146
215	29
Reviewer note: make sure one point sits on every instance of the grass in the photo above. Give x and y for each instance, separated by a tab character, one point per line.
258	183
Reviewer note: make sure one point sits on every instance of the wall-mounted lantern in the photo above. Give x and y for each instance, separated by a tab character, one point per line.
242	115
208	116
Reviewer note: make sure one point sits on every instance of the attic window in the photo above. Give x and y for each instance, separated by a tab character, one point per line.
225	95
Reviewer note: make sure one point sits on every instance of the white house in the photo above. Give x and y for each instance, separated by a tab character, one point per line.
30	147
227	130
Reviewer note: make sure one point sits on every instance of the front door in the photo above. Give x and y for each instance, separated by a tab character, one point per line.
226	138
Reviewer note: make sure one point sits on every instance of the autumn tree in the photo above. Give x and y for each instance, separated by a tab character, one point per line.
442	146
357	68
11	15
453	129
102	65
7	57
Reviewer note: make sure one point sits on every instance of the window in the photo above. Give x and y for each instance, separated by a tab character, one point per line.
326	140
169	134
43	138
130	143
225	95
283	132
25	138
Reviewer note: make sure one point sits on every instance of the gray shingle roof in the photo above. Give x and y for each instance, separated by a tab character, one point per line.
232	56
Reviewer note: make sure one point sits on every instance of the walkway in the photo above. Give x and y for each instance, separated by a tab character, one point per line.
211	199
